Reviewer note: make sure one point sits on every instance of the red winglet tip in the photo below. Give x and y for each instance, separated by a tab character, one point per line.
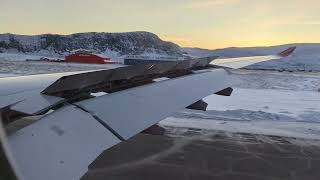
287	52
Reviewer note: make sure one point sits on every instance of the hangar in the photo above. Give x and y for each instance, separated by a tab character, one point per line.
89	58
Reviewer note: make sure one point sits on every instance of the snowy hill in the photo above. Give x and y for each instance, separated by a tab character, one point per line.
305	58
114	44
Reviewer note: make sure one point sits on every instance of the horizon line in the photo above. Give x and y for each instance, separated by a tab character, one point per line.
195	47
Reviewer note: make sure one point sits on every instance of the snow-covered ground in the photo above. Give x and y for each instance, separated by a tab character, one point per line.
270	103
275	80
270	112
6	75
28	68
263	102
281	128
21	57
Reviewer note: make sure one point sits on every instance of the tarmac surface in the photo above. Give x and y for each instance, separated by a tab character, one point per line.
203	155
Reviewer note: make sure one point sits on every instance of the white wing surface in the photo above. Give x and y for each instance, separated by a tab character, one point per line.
236	63
62	144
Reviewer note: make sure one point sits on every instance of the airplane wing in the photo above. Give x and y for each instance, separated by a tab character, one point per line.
236	63
75	126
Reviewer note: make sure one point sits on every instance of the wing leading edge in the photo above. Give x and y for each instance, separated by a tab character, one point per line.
236	63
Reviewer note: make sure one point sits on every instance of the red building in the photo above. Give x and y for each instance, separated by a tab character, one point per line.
88	58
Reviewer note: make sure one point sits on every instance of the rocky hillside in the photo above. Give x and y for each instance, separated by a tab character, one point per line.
122	43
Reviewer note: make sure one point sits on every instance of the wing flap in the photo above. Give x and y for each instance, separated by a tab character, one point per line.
108	79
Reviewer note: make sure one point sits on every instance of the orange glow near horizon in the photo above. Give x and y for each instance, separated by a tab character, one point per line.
190	23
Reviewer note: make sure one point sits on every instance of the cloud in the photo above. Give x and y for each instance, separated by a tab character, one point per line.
200	4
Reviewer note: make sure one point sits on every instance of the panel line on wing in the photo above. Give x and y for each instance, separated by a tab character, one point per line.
60	145
133	110
100	121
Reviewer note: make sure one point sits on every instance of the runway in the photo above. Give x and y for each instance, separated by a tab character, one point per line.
198	154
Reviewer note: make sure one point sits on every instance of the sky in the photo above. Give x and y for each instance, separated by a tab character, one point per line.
190	23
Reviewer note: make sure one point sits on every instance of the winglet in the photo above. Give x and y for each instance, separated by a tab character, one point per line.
287	52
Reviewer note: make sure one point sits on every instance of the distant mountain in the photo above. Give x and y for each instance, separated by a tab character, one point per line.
305	58
115	45
132	43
